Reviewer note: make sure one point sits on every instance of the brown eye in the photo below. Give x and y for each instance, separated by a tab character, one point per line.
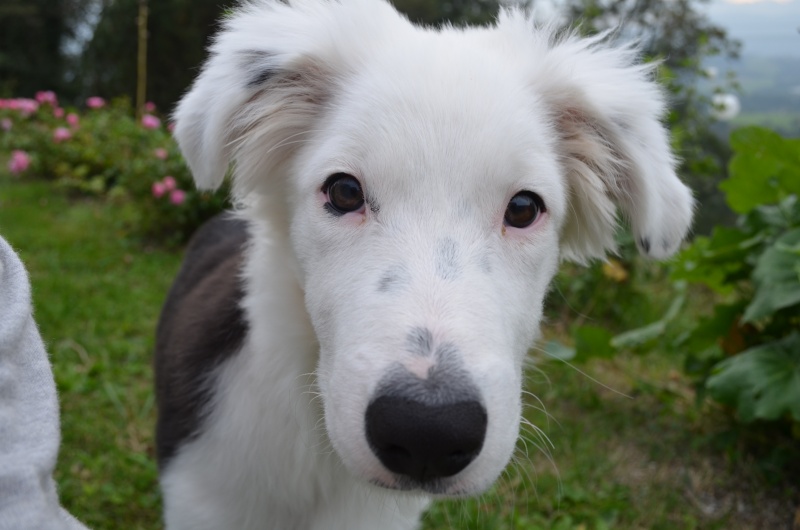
344	194
523	209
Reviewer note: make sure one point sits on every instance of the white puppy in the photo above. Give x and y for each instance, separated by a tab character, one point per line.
351	344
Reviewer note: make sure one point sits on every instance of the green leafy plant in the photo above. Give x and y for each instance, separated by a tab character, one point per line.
746	354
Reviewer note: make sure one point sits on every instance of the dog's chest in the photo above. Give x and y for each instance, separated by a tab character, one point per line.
263	460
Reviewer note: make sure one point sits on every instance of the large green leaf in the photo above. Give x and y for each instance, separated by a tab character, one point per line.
762	382
765	169
777	277
638	337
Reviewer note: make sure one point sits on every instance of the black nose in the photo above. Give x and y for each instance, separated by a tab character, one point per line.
424	441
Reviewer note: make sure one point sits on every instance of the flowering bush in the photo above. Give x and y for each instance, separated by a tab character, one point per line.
101	150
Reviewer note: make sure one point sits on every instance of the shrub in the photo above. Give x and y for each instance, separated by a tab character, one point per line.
746	354
103	151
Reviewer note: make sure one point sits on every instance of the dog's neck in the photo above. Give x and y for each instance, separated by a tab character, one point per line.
273	304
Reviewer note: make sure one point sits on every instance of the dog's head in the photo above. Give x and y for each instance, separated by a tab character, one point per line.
430	181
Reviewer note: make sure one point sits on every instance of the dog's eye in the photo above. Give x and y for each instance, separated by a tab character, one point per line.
523	209
344	193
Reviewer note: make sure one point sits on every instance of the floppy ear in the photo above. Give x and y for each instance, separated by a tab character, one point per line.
606	111
270	71
256	73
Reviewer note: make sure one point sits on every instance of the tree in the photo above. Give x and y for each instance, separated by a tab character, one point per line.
33	36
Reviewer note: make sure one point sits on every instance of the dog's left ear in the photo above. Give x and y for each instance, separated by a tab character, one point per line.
606	111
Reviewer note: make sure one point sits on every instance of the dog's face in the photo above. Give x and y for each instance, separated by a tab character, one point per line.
430	182
427	239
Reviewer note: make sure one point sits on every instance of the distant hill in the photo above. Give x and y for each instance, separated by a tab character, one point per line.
770	91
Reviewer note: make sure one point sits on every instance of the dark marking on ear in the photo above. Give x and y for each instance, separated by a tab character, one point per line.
420	341
259	65
644	244
447	267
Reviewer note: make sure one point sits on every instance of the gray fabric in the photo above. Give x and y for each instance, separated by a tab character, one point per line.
29	423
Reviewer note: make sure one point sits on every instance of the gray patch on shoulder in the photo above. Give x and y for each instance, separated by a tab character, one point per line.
447	266
394	277
420	341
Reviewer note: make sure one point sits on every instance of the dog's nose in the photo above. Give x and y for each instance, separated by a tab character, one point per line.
424	441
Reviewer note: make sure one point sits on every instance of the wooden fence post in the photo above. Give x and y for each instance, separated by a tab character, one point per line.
141	69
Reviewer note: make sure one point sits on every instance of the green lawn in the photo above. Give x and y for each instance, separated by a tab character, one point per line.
648	459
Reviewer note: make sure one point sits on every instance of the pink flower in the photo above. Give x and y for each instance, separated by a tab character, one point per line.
160	153
61	134
6	124
169	183
72	119
177	197
95	102
20	161
171	126
158	189
149	107
58	112
150	122
46	96
26	107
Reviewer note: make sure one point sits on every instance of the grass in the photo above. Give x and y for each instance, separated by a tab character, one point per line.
630	452
97	297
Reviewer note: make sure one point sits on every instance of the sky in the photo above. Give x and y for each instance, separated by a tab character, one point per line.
768	28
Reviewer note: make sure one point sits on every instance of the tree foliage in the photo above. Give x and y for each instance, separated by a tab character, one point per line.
178	33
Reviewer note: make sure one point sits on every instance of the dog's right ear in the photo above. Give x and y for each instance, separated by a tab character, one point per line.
251	85
270	71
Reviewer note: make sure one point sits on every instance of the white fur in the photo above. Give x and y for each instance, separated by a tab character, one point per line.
441	128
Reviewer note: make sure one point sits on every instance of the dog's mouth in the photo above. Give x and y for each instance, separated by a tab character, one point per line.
440	487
